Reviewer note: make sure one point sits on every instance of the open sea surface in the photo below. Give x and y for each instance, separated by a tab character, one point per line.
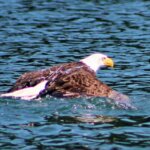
37	34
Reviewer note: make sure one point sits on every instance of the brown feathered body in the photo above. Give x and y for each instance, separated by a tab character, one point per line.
66	80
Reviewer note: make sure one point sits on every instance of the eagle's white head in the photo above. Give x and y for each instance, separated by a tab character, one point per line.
97	61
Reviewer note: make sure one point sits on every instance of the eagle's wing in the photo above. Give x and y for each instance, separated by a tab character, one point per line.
31	79
74	83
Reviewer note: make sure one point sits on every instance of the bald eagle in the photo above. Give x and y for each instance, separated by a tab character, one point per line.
68	80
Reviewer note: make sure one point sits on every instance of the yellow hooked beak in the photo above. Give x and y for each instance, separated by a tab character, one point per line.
108	62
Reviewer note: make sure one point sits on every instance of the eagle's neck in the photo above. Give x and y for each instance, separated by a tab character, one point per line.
86	67
93	66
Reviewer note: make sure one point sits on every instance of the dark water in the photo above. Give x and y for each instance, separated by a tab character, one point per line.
35	34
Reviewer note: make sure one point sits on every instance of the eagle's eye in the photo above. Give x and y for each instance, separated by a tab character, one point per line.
104	58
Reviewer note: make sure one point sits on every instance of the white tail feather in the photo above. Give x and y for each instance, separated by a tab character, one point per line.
27	93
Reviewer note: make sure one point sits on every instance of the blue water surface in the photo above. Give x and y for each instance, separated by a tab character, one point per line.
42	33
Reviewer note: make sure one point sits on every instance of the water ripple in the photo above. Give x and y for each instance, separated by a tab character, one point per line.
38	34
